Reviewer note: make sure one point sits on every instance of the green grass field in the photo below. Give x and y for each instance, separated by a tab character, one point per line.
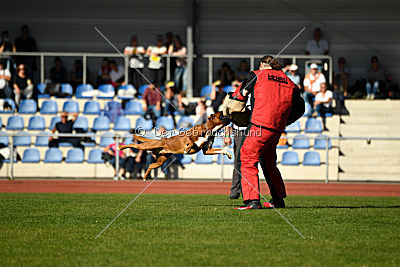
166	230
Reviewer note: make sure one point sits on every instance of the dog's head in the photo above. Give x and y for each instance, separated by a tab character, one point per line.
217	119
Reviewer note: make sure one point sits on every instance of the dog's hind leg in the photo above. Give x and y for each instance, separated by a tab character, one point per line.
160	161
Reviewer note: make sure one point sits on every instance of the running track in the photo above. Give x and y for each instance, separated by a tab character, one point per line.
190	187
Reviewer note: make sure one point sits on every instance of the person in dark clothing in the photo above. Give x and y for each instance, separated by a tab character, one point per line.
23	85
26	43
217	95
225	74
58	74
65	126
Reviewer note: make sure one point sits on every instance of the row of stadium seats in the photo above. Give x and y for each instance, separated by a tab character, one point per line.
76	155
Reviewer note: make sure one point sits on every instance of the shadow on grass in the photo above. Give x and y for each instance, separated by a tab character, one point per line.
345	207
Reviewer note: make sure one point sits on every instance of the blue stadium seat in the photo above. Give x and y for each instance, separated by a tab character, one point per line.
42	140
126	87
15	123
21	140
101	123
294	127
31	155
122	123
81	89
67	90
81	123
142	88
4	139
185	122
143	124
133	108
313	126
95	156
218	142
290	158
300	142
49	107
71	106
228	88
11	103
41	87
91	136
311	158
27	106
106	89
74	155
36	123
106	140
53	122
53	155
91	107
203	159
206	91
187	159
320	142
167	122
1	123
227	161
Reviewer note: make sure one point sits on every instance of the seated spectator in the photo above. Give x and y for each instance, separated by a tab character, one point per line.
152	98
180	77
5	78
58	74
173	101
225	75
135	162
293	76
104	73
323	103
286	64
116	74
77	74
65	126
217	95
22	83
201	112
340	81
111	150
26	43
242	71
156	65
135	54
317	45
377	79
312	83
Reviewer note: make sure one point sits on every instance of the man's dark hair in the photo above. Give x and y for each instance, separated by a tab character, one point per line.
24	27
57	59
374	58
273	62
5	32
159	37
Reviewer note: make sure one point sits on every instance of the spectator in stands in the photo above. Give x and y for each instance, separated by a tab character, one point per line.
26	43
116	74
377	79
104	73
225	74
23	85
169	40
317	45
155	61
152	98
77	74
5	78
312	83
6	45
173	101
201	112
58	74
286	64
180	77
111	149
242	71
323	103
135	162
65	126
340	81
293	76
217	95
135	52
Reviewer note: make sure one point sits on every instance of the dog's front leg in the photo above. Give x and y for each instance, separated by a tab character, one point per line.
215	151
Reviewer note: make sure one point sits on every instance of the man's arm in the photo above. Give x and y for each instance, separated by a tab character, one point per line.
74	116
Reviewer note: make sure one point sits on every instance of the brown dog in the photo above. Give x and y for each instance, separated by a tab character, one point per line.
197	138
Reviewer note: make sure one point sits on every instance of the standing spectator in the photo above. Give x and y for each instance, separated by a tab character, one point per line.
7	46
169	40
77	74
155	61
317	45
116	74
377	79
111	150
323	103
225	74
5	77
201	112
312	83
293	76
65	126
340	81
173	103
152	98
23	86
135	52
26	43
242	71
180	77
104	73
58	74
217	95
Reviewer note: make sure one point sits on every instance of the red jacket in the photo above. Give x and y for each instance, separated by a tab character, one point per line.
271	102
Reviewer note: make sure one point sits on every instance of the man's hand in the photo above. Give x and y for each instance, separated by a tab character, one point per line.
232	105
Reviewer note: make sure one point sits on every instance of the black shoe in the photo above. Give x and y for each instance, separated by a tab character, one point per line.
251	205
274	203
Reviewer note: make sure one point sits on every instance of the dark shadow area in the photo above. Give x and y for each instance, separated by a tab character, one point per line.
345	207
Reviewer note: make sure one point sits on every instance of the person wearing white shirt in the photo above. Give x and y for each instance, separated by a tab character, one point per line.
323	103
5	77
293	76
135	52
312	83
116	73
156	65
317	46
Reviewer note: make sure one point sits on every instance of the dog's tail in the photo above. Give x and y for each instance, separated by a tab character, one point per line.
141	138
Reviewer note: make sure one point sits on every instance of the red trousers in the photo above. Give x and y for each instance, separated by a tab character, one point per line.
259	145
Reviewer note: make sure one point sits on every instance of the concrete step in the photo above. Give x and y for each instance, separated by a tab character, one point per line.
356	160
349	167
372	153
369	177
375	104
375	144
